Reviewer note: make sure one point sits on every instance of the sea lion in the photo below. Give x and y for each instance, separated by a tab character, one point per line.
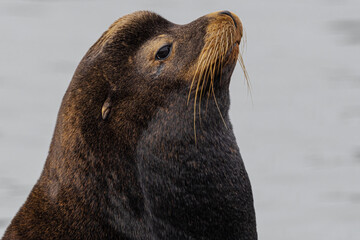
143	147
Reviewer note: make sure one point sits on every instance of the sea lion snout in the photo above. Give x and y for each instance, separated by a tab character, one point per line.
231	17
220	51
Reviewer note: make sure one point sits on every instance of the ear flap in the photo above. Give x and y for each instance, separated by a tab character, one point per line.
105	110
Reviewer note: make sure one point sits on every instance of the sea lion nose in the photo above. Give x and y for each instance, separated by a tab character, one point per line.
230	15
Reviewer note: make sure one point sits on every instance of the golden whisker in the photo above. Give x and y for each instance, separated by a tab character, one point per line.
202	67
240	59
201	79
195	74
212	82
217	46
210	66
242	64
221	56
207	62
208	76
217	106
204	74
243	41
205	79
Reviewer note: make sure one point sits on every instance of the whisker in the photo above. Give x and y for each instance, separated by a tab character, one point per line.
195	75
210	60
202	79
246	76
243	41
217	106
210	68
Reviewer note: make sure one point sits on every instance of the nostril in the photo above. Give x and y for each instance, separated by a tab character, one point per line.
230	15
226	13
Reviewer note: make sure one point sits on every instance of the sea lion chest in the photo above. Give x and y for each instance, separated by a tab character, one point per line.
193	190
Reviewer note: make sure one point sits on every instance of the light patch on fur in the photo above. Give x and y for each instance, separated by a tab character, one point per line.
54	188
147	55
114	29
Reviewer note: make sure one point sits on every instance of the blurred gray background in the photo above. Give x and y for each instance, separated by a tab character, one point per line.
299	135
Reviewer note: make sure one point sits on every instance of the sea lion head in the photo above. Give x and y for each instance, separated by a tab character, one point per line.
141	60
146	81
145	69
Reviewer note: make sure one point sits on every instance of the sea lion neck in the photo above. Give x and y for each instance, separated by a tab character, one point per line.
174	122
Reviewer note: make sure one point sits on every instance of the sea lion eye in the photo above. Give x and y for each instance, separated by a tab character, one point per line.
163	52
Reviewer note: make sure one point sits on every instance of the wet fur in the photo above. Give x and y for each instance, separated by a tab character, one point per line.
139	173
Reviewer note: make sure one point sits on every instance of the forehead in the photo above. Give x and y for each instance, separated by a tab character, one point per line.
135	28
129	33
138	27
